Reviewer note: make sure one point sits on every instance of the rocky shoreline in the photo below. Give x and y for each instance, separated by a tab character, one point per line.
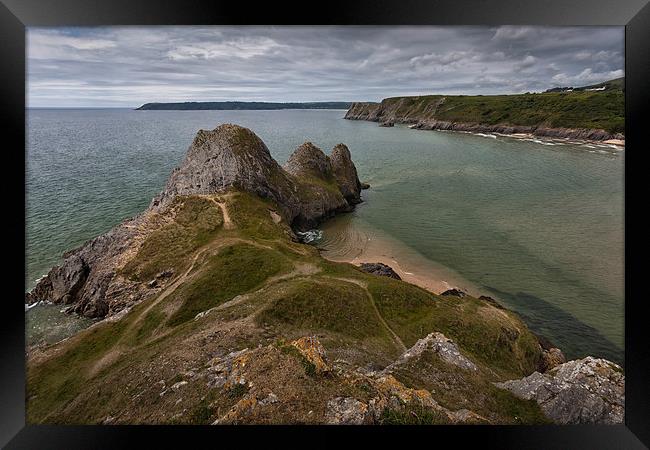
309	189
378	112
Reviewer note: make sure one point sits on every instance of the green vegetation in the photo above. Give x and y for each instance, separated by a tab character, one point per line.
578	109
151	321
252	217
234	270
237	391
197	221
462	389
323	305
522	411
116	367
413	415
58	380
486	333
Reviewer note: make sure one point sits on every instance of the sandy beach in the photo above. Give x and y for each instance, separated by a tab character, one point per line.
343	242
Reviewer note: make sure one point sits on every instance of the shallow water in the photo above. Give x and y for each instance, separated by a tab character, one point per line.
537	224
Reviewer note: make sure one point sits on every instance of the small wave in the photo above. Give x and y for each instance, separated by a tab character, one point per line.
486	135
28	307
310	236
38	280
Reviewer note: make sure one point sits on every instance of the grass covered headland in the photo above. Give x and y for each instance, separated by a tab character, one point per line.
597	107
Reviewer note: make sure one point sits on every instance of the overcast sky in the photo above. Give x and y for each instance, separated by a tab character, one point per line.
128	66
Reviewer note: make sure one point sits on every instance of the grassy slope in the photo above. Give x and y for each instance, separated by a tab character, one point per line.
115	367
578	109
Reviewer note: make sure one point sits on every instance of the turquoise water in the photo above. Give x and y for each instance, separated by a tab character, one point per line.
539	227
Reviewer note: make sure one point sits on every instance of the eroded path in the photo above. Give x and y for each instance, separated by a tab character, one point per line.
364	286
227	221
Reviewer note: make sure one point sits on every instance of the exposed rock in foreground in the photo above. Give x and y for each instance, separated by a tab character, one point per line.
439	344
372	397
380	269
314	187
588	390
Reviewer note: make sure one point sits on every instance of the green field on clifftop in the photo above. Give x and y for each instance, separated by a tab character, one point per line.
579	108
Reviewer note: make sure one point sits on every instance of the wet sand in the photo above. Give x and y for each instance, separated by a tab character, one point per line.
356	244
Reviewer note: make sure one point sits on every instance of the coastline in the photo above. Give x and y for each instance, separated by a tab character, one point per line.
616	144
354	244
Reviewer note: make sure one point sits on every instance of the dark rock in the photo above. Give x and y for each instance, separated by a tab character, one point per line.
454	292
491	301
387	124
346	173
365	186
380	269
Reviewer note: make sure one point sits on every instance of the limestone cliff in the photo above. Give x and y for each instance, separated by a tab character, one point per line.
314	186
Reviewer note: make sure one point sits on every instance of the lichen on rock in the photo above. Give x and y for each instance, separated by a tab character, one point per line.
589	390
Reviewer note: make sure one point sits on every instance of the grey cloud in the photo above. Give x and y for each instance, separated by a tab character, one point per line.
127	66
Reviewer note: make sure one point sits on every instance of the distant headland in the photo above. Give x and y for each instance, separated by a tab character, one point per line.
187	106
595	112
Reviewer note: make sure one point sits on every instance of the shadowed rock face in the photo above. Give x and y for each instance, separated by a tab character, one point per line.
346	173
227	157
309	160
313	188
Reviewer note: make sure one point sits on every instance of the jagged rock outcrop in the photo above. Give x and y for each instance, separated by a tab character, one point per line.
313	187
589	390
346	173
272	381
380	269
86	279
229	156
439	344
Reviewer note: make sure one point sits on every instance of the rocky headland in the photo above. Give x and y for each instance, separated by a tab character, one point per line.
215	313
311	188
580	115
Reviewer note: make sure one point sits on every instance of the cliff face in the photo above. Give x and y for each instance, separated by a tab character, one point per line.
230	157
584	115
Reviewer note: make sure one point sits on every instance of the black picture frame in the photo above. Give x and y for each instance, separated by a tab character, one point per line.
15	15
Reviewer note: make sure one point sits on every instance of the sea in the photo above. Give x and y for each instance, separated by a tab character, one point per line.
536	224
